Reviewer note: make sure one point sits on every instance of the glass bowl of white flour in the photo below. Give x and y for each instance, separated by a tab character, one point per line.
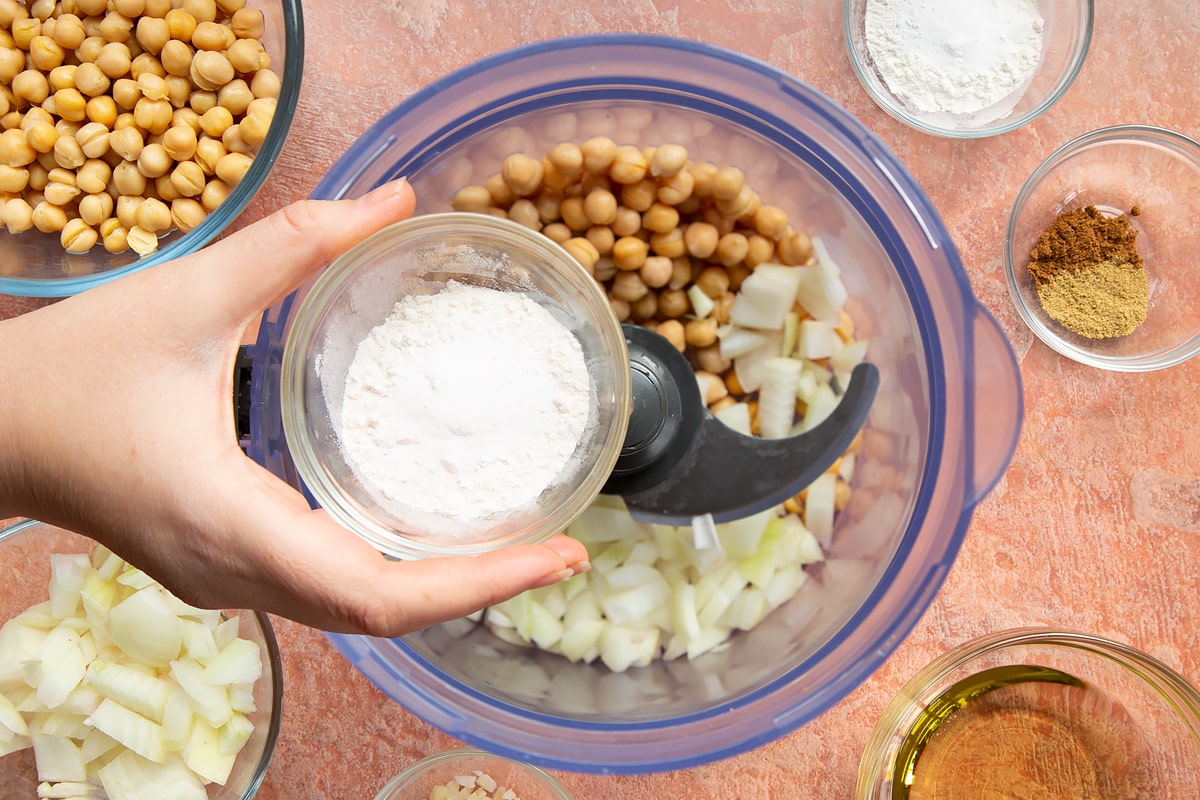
454	384
967	69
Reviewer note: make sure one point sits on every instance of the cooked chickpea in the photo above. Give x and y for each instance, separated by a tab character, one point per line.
215	192
13	179
91	80
795	248
153	215
567	158
24	31
265	83
522	174
639	196
629	254
709	359
713	281
187	118
126	142
673	303
236	96
187	213
671	330
179	91
727	183
602	238
165	190
600	206
152	33
215	121
656	271
645	308
69	32
737	274
211	70
732	249
628	286
153	161
142	241
701	239
146	64
557	232
31	86
116	27
701	332
524	212
468	198
67	152
628	165
669	244
573	215
95	208
45	53
233	167
627	223
549	207
130	8
48	218
247	23
125	93
759	250
93	176
582	251
12	62
246	55
78	237
127	179
62	77
70	105
254	128
620	308
176	58
41	136
660	218
181	25
202	10
18	215
115	240
598	153
770	221
668	160
202	101
208	153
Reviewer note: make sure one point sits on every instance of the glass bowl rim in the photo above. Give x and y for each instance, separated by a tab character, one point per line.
888	103
220	219
272	656
1183	146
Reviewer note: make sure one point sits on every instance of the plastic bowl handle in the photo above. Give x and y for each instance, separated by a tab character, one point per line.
996	414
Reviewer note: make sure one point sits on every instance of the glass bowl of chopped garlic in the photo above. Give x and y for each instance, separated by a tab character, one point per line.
1101	248
470	774
116	158
111	687
967	70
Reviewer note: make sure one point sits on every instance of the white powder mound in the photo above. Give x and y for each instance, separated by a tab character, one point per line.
467	403
955	56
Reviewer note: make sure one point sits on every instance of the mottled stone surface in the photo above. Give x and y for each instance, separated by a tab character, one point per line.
1095	526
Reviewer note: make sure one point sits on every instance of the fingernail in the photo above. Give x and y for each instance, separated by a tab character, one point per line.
382	194
553	578
567	549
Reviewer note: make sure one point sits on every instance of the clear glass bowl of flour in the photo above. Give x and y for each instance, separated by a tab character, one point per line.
454	384
967	69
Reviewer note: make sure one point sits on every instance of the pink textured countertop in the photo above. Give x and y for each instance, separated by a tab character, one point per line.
1095	526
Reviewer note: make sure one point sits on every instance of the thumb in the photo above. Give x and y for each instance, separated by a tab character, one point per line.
261	263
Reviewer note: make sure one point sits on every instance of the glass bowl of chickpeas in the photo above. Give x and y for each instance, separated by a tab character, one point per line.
681	177
133	132
472	774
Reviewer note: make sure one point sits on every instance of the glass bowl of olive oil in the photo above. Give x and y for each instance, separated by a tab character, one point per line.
1037	714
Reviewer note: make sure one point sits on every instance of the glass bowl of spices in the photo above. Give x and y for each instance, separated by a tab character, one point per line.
967	69
453	384
470	774
1037	713
1102	245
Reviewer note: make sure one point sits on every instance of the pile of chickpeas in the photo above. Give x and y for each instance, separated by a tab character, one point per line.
121	120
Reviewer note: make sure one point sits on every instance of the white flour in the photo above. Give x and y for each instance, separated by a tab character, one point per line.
955	56
466	404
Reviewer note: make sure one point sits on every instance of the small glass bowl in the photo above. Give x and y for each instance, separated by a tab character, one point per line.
25	550
1067	34
34	263
1117	719
357	293
1115	169
527	781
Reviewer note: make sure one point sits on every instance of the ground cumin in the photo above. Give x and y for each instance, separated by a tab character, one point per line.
1088	274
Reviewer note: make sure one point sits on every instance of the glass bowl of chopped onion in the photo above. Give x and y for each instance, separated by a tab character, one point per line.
86	203
1101	248
684	645
109	683
967	71
466	773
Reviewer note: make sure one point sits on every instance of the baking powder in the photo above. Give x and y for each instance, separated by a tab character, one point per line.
955	57
467	403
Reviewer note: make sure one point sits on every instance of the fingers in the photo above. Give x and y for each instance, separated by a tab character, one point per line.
261	263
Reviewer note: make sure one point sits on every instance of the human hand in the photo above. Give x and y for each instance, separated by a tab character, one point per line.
116	421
